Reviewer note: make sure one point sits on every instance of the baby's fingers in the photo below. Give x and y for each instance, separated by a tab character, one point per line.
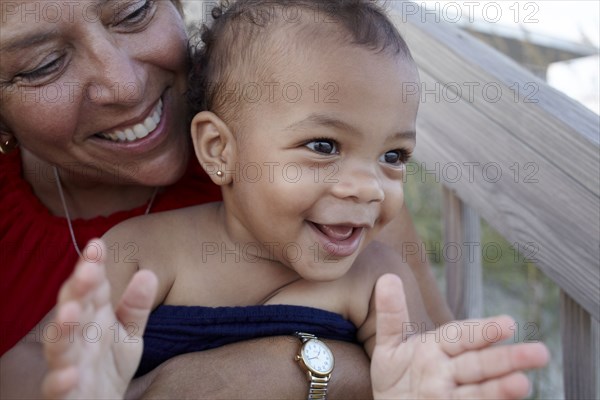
58	383
494	362
60	349
136	303
513	386
392	312
461	336
88	274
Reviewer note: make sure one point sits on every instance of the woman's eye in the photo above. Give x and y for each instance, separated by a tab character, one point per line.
395	157
137	12
43	71
323	146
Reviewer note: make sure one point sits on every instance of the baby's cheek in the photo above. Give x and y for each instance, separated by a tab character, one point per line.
394	201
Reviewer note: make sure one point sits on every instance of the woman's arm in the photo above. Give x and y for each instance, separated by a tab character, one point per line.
21	370
256	369
402	236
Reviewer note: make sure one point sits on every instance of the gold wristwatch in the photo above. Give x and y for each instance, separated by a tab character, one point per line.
316	359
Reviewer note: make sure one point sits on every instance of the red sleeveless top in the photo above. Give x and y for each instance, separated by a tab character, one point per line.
36	251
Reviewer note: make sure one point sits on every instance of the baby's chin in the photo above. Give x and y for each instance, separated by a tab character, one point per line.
324	271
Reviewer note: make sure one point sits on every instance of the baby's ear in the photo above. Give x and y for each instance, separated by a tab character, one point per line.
214	145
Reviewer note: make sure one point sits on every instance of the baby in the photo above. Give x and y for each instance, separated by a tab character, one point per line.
302	119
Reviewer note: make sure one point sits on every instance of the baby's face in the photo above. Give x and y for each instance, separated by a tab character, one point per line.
321	165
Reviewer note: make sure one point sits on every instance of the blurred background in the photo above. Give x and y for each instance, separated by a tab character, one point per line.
557	41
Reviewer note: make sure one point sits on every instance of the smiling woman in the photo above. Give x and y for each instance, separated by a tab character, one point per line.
106	78
86	94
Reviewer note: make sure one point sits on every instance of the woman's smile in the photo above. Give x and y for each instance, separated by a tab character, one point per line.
139	130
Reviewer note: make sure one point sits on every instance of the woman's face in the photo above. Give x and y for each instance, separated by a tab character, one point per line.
96	85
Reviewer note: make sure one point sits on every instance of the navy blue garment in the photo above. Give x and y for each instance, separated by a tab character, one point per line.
174	330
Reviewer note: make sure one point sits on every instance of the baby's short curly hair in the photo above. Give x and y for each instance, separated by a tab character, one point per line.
245	43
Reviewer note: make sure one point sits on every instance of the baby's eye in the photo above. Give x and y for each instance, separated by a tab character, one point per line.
324	146
395	157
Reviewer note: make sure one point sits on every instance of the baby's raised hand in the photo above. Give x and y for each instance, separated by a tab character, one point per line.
98	348
455	361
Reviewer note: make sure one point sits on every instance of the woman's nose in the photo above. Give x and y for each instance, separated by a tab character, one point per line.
116	75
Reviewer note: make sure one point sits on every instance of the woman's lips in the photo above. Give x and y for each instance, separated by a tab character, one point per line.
153	140
339	240
139	130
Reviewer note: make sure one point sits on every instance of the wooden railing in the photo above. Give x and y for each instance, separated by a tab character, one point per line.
528	159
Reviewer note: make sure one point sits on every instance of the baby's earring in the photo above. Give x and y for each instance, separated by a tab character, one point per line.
220	173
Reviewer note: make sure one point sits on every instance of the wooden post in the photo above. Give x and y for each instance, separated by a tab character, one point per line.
462	255
580	350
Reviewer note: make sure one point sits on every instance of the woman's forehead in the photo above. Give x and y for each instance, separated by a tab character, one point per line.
26	23
45	11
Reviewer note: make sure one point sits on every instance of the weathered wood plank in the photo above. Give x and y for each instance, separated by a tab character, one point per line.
596	353
455	42
546	199
541	217
580	350
462	233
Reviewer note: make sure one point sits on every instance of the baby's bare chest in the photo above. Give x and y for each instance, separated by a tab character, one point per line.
228	284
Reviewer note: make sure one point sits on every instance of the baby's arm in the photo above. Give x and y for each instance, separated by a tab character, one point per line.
376	260
455	361
402	236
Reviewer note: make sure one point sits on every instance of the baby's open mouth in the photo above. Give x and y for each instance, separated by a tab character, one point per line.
336	232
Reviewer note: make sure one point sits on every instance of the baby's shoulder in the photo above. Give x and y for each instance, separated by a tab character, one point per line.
160	231
375	260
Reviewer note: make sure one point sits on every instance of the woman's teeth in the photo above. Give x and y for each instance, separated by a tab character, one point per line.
138	131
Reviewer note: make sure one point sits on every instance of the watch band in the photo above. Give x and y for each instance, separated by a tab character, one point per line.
318	384
304	337
318	388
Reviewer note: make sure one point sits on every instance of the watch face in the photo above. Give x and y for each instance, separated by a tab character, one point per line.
317	356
